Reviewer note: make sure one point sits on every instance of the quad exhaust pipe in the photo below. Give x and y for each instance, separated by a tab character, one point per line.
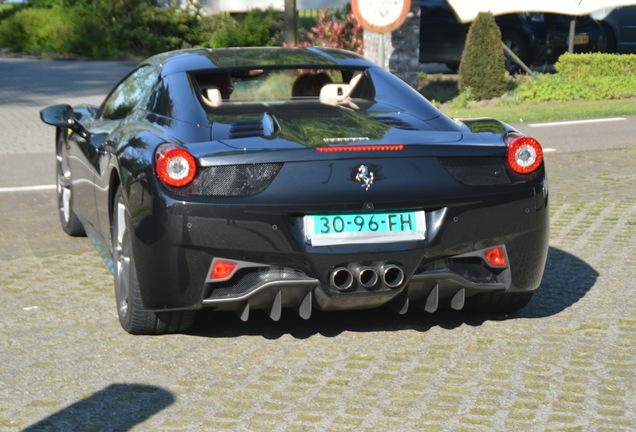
368	277
341	279
392	275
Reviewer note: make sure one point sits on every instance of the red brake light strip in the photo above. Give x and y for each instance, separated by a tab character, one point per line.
360	148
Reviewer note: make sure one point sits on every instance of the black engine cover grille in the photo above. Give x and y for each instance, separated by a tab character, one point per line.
231	180
480	171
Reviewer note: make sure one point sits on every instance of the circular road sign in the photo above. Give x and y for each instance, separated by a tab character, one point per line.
381	16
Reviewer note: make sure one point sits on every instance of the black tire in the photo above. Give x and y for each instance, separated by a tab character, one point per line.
133	315
498	302
64	185
517	45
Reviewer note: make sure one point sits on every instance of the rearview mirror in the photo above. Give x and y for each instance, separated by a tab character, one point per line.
59	116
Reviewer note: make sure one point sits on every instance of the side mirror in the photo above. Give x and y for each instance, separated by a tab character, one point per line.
61	116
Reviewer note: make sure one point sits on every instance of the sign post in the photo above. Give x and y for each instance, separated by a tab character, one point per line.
381	16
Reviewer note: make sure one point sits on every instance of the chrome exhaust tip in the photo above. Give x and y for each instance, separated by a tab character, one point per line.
392	275
341	279
367	277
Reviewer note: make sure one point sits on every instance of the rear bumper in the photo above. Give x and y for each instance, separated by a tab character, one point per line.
176	243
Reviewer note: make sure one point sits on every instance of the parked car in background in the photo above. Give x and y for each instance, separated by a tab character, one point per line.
619	29
536	38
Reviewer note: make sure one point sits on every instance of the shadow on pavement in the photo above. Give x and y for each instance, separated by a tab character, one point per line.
566	281
118	407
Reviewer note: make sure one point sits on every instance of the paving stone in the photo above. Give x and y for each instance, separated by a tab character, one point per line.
565	362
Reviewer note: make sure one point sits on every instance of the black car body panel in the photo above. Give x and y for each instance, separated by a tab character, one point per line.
268	168
537	38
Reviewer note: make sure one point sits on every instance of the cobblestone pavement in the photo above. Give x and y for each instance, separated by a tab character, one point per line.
565	362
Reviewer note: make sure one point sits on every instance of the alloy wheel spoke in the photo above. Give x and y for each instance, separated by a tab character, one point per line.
66	204
122	258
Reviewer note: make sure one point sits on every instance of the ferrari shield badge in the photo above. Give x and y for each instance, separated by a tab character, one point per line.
365	176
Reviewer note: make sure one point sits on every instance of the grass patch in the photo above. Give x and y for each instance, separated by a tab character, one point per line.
442	90
305	380
593	327
544	111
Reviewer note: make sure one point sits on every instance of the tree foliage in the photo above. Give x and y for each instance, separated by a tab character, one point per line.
255	28
483	66
106	28
100	28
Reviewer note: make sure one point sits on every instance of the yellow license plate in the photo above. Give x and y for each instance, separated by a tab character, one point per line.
581	39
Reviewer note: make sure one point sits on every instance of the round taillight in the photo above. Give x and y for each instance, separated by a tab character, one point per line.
525	155
175	166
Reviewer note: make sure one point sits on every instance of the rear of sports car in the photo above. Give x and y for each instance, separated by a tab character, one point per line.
362	197
418	218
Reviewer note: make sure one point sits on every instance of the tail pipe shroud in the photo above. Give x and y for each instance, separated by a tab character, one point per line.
371	277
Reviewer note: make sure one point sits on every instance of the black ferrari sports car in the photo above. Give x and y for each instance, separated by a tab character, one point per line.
306	178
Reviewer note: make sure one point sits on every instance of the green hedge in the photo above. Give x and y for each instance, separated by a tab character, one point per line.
595	76
583	66
561	88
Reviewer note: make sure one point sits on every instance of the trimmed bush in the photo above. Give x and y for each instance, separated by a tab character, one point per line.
561	88
483	65
583	66
594	76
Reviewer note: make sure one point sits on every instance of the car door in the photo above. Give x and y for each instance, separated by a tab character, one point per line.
110	132
81	154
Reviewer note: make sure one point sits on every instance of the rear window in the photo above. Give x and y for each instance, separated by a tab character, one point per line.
243	91
270	85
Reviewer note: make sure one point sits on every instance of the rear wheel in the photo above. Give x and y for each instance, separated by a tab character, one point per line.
65	205
133	315
498	302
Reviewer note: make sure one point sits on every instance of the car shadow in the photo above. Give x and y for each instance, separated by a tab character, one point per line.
117	407
566	280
